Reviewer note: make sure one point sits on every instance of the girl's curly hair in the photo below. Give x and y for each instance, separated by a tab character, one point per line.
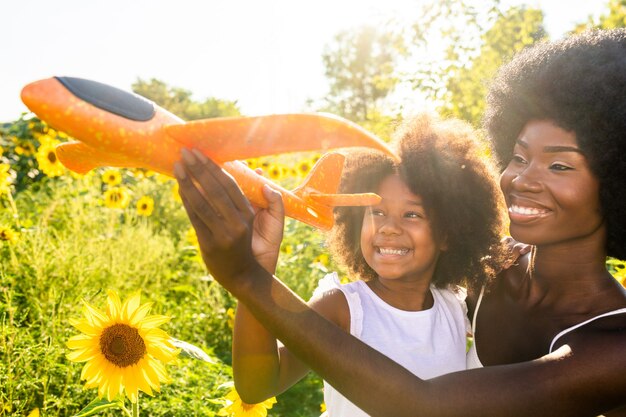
448	166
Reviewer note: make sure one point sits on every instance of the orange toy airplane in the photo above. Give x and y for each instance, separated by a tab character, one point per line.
121	129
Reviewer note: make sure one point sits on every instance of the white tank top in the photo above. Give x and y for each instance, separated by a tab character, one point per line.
428	343
473	361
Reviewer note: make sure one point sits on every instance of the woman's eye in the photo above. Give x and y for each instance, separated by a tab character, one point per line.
375	212
560	167
519	159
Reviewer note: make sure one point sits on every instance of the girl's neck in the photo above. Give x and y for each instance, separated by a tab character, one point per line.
403	295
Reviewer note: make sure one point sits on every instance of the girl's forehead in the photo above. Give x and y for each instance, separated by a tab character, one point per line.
394	188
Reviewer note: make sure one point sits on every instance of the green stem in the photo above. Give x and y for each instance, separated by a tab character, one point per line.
135	406
16	215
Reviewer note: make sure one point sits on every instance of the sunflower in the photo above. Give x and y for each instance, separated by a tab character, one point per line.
124	348
5	178
116	197
145	206
192	238
112	177
304	167
8	235
236	408
47	159
275	172
175	194
322	258
252	163
23	148
230	313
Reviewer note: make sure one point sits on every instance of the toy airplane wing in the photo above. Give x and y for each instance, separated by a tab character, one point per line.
127	127
236	138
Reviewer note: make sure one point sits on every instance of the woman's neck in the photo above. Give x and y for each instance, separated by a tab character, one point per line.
569	277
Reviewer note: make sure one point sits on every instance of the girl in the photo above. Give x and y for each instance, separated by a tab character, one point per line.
410	251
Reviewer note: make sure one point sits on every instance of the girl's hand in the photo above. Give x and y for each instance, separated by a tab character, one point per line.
267	233
221	215
516	249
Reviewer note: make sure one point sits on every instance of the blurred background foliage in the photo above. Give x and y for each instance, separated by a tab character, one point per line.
66	237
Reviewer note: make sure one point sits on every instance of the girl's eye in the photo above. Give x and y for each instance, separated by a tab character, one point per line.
376	212
560	167
414	215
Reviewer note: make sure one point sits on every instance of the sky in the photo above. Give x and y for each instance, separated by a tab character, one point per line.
265	54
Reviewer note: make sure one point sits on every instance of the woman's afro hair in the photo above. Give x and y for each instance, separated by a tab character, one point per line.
579	83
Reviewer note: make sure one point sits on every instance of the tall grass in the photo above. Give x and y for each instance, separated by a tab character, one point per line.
71	247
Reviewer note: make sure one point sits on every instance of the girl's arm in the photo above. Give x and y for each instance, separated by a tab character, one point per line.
584	378
262	366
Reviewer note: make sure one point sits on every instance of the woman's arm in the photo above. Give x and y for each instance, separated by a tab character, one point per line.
585	378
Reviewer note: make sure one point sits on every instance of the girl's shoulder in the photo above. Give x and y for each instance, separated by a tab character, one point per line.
329	300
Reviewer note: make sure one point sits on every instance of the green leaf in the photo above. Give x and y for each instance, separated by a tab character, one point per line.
191	351
98	405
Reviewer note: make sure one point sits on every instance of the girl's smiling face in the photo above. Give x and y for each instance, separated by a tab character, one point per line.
397	240
551	194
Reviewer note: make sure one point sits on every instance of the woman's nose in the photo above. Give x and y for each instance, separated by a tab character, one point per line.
527	180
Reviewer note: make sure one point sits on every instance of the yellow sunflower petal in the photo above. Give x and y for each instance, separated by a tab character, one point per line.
153	321
142	382
162	353
130	383
91	370
130	306
82	355
80	342
114	305
140	313
115	384
84	326
152	376
94	316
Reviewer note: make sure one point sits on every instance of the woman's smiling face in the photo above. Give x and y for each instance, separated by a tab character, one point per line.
551	194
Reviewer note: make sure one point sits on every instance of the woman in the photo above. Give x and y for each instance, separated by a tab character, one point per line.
551	331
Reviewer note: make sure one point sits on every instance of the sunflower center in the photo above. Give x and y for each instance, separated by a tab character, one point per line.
52	157
122	345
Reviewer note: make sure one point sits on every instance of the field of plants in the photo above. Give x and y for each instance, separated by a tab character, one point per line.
67	239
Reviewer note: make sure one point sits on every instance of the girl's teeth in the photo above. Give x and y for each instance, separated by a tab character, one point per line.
389	251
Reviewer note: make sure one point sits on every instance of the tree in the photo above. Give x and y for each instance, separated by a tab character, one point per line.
179	101
360	68
467	84
615	18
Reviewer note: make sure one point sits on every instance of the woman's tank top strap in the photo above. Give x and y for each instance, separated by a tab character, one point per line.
576	326
480	298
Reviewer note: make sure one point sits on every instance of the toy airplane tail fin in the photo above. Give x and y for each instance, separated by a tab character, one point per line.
322	183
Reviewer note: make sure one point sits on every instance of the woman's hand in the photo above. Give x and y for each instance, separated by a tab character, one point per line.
221	215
